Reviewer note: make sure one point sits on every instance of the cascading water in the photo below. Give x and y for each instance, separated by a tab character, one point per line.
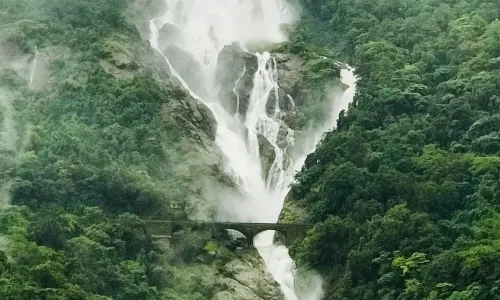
32	75
201	29
276	257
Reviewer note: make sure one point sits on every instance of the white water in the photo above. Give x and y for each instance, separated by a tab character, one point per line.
276	257
205	26
32	75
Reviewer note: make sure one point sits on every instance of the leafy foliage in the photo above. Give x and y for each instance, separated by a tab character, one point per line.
86	256
405	191
103	144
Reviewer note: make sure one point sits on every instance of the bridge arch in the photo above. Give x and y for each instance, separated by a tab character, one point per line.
235	234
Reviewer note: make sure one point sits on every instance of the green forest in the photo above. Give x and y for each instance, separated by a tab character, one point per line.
103	155
405	193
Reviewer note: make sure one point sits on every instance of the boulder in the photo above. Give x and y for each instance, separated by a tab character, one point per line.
295	120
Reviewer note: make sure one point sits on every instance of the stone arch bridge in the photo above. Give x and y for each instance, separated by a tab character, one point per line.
288	232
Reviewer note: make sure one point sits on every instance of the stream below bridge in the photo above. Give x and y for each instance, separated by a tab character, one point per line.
198	31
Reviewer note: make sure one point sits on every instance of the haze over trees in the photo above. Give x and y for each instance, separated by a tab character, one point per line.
103	153
404	194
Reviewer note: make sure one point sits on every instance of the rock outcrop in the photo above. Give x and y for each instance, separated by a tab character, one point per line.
235	74
267	153
236	70
234	77
244	278
169	34
289	73
140	12
187	67
290	81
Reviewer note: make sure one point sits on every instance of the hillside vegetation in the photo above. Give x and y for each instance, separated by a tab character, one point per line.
405	194
95	144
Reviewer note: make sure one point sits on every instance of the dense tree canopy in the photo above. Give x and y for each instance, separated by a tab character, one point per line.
405	193
87	155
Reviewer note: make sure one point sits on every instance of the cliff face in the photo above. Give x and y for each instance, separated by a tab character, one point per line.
69	78
298	108
235	73
102	122
91	116
236	70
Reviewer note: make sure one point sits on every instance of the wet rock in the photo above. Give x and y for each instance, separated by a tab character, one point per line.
296	120
245	279
291	86
267	153
206	121
230	64
283	137
188	68
139	12
229	100
245	85
289	73
282	101
193	116
234	77
169	34
281	57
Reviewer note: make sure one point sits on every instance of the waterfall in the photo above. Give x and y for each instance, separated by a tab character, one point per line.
199	29
276	257
34	67
235	91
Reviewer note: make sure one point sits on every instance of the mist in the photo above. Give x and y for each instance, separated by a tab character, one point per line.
309	285
14	132
192	38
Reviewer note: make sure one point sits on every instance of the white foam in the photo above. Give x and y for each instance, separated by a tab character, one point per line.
205	26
